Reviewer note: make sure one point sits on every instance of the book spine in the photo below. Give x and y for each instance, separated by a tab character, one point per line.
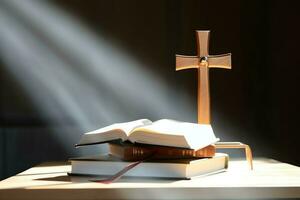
131	153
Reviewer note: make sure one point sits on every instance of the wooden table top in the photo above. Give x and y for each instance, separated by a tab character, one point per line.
269	179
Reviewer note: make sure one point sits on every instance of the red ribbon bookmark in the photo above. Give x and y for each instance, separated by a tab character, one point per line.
118	175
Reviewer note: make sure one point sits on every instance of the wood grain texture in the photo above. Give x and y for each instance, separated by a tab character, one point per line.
237	145
203	94
269	179
220	61
203	61
186	62
202	43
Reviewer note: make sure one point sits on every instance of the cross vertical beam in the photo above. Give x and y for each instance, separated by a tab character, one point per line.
203	62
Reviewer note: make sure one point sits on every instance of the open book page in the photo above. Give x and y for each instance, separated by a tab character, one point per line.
174	133
112	132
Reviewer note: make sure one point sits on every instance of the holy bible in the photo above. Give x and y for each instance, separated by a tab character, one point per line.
164	132
134	152
164	148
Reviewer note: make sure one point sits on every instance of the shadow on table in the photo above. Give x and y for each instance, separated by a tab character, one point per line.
126	179
83	179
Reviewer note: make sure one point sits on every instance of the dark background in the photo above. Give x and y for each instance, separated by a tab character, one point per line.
256	102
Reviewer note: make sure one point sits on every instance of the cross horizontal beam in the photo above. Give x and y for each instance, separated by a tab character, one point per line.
190	62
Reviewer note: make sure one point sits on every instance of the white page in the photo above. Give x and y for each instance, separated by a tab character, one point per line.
196	135
112	132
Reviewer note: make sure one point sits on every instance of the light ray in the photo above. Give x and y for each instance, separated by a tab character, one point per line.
75	77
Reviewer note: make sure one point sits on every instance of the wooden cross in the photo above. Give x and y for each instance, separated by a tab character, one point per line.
203	62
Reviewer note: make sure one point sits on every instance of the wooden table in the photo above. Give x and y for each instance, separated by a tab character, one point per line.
269	179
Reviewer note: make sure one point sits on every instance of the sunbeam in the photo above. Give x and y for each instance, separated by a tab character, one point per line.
75	77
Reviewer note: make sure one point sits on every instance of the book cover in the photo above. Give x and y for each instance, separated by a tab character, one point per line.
108	165
133	152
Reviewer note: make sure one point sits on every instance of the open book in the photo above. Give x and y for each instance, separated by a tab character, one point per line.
163	132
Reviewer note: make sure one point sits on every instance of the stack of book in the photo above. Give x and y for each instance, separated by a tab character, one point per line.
167	149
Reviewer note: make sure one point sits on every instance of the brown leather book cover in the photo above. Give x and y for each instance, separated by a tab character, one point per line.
133	152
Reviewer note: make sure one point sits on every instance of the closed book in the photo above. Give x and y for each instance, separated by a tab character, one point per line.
108	165
134	152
